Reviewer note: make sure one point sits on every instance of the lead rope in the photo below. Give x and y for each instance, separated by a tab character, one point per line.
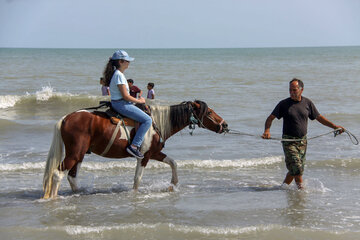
336	132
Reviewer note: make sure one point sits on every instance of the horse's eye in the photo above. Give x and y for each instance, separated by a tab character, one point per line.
209	113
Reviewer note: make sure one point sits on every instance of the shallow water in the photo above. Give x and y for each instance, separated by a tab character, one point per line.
229	185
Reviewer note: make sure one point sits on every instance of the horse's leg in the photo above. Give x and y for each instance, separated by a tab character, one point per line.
56	180
72	162
73	181
138	174
76	147
173	165
163	158
66	165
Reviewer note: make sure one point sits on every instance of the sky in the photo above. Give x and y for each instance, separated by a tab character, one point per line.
178	24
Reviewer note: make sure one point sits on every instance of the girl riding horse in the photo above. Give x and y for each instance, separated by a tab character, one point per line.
122	101
83	130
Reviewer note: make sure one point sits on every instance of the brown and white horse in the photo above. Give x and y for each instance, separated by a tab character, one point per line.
82	131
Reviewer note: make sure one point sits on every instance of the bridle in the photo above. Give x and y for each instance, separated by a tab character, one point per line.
195	120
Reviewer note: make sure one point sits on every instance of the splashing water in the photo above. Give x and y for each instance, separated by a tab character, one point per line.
45	93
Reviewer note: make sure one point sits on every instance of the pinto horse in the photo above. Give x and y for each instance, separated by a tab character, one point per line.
83	131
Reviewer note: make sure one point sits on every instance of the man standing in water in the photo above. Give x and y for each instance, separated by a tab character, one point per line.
295	110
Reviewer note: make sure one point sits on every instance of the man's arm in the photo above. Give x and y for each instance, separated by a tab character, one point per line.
266	134
321	119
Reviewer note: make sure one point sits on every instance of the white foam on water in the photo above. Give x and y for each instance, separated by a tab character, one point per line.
210	231
315	185
47	92
236	163
22	166
121	164
8	101
76	230
180	231
44	94
126	164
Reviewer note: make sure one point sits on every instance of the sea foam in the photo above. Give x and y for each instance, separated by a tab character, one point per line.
43	95
8	101
130	164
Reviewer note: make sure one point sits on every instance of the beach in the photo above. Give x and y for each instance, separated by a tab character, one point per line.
230	186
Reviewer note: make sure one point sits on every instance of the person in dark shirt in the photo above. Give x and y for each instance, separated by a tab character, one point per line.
295	111
134	90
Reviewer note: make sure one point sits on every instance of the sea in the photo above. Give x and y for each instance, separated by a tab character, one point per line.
230	185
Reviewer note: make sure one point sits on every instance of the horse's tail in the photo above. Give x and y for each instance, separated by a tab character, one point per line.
53	159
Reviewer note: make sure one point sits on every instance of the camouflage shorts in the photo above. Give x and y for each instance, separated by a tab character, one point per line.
295	155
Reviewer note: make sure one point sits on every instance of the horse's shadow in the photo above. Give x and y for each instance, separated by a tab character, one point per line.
85	191
33	195
235	189
264	188
22	195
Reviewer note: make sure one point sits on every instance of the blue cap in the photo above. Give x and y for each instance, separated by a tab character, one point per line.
121	54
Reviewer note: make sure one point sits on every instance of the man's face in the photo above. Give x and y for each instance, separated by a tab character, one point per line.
295	91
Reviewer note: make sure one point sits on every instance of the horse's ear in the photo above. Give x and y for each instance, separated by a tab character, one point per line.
196	105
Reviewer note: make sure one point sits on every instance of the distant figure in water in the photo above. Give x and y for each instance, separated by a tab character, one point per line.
134	90
295	111
151	92
104	89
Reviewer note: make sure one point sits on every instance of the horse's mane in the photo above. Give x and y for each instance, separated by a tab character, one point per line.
175	116
180	114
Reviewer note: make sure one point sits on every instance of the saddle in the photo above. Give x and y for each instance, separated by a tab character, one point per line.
115	117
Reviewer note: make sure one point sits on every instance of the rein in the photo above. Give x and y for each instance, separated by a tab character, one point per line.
103	104
336	132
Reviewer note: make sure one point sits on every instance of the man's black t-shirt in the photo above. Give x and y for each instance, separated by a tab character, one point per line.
295	115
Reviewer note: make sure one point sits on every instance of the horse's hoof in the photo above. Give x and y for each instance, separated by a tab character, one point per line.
171	188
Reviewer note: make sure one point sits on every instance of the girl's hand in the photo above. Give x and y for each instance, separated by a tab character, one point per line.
141	100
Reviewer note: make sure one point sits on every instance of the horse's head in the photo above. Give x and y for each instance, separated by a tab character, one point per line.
207	118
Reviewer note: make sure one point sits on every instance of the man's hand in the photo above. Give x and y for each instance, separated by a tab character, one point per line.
341	130
266	135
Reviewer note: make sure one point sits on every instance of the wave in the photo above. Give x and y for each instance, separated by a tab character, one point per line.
271	231
351	164
47	94
181	231
7	167
131	164
169	228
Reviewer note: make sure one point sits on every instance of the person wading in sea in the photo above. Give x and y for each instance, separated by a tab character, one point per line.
295	111
134	90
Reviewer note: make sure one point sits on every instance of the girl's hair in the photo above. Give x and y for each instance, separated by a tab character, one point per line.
109	70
